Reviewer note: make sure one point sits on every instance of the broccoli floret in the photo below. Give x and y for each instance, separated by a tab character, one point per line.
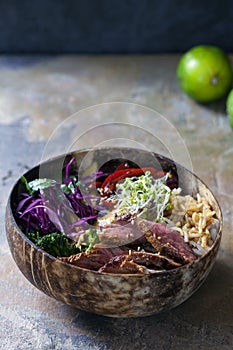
33	236
57	244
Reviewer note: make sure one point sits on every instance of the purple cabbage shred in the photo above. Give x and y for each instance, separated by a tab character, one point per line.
62	207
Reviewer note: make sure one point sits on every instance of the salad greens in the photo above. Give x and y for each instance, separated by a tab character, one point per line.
39	184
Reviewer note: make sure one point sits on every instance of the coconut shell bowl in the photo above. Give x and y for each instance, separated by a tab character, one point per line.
106	293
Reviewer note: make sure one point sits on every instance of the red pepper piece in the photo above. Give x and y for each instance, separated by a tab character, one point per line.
109	184
124	165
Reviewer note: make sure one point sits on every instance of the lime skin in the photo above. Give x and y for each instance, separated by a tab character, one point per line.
205	73
229	105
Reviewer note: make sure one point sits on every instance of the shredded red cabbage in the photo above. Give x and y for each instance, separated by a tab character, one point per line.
65	207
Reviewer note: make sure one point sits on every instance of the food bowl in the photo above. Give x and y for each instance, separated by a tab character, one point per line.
110	294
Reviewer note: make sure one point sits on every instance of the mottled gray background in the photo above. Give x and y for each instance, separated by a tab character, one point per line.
111	26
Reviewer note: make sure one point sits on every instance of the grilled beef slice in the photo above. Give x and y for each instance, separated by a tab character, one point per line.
166	241
120	264
121	233
138	262
152	261
94	258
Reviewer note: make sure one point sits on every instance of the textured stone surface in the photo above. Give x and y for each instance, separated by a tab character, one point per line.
36	95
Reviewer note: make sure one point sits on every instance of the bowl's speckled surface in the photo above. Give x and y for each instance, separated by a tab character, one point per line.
110	294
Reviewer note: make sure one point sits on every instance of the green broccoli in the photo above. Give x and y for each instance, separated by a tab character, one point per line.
55	244
33	236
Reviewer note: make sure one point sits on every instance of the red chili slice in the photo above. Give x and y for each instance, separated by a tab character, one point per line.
109	184
124	165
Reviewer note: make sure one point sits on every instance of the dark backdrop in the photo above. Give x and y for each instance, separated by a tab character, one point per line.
114	26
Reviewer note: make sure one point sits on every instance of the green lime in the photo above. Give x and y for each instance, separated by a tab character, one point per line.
205	73
229	104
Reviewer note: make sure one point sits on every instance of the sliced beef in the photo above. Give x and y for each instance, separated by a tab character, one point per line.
94	258
138	262
144	246
121	233
152	261
166	241
123	266
163	249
